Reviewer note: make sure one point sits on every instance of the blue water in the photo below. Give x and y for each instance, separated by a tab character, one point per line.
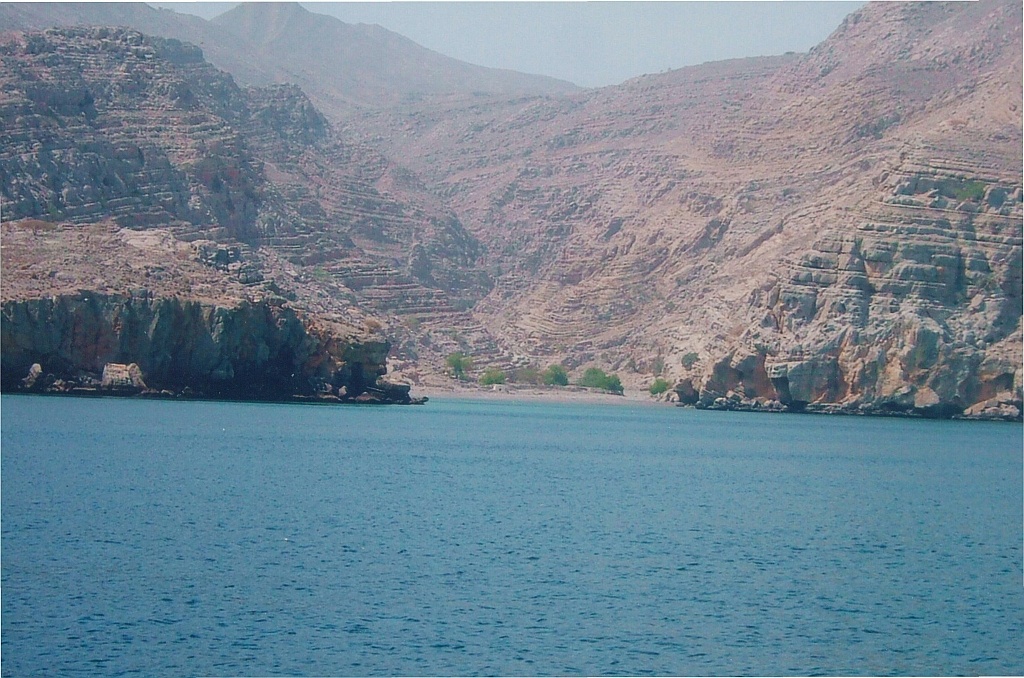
465	538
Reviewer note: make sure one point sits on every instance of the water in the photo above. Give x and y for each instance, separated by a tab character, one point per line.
462	538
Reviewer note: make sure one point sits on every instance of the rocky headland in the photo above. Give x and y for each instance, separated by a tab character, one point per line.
100	309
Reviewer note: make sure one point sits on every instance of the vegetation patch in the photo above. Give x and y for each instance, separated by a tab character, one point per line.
491	376
458	365
659	386
970	190
555	375
596	378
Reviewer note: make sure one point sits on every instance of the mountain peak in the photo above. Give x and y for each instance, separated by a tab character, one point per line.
267	11
341	64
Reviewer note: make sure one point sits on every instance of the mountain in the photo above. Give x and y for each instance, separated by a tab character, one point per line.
107	125
340	66
833	231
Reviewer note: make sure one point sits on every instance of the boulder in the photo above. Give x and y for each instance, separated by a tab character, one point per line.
31	381
1004	405
120	377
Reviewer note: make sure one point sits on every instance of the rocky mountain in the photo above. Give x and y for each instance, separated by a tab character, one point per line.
106	124
341	67
110	123
833	231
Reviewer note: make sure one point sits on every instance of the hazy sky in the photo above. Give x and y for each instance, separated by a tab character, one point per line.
591	43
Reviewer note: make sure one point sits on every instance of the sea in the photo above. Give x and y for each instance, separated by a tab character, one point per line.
503	538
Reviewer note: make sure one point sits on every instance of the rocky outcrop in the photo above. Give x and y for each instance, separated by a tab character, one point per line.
257	351
910	372
99	309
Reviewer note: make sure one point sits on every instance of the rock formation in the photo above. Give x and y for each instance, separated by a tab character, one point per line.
162	320
249	351
835	231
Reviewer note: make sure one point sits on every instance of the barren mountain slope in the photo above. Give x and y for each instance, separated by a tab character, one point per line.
341	67
109	124
841	227
834	230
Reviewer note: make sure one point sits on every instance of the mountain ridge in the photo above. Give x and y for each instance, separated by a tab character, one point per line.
715	188
836	231
391	67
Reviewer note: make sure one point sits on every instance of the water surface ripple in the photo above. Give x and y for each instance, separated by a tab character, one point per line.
467	538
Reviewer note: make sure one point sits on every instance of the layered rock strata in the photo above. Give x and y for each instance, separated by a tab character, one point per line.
172	318
831	231
108	123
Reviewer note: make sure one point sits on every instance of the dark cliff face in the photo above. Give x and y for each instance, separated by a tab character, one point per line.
251	351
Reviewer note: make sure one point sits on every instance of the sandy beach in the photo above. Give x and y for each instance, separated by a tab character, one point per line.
568	394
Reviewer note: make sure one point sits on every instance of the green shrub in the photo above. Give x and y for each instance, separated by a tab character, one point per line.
492	375
458	364
596	378
659	386
970	190
613	384
593	378
690	359
555	375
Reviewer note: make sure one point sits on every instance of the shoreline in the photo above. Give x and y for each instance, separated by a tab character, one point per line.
566	394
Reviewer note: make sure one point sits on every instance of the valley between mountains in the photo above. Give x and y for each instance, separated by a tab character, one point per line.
276	203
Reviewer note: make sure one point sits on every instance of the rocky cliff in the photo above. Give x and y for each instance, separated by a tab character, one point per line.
906	296
100	308
248	351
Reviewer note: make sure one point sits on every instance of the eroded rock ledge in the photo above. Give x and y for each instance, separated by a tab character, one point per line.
948	383
127	344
